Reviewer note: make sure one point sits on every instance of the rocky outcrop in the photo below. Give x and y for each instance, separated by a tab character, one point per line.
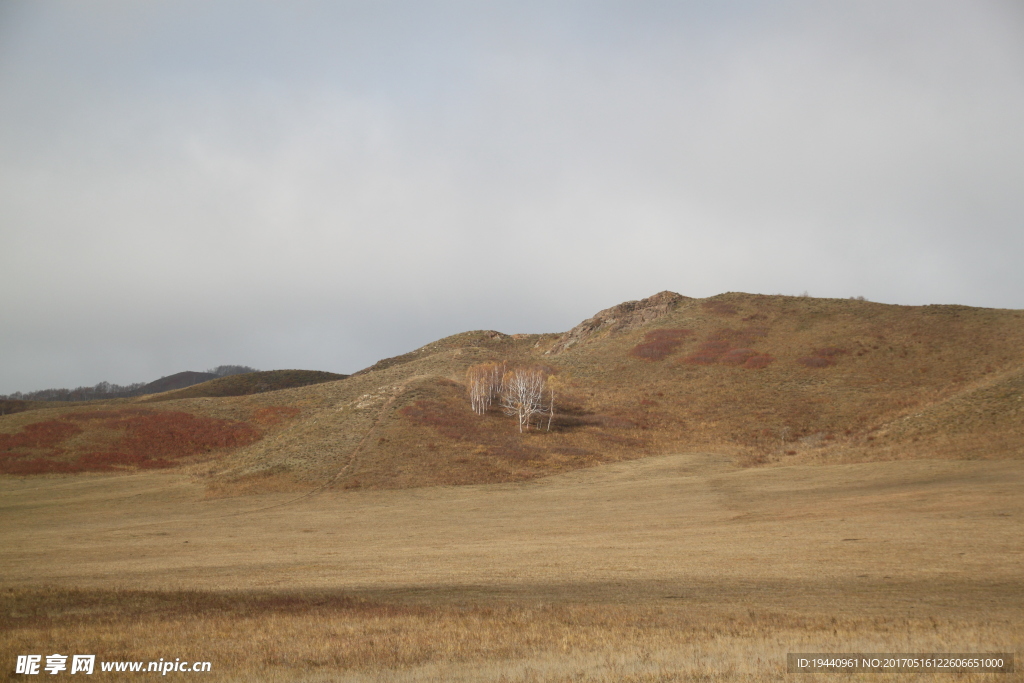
625	316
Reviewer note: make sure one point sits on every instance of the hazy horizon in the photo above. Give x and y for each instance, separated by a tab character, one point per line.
321	185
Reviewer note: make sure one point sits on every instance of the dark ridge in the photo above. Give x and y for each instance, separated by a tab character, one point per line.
250	383
8	407
178	380
107	390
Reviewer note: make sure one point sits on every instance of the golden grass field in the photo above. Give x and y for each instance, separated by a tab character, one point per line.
726	480
682	567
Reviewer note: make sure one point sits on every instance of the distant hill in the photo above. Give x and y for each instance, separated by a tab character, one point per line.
106	390
249	383
762	380
10	406
179	380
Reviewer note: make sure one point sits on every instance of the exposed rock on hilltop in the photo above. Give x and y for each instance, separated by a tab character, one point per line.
625	316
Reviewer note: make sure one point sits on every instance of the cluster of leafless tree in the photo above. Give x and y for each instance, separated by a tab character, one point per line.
522	392
225	370
484	384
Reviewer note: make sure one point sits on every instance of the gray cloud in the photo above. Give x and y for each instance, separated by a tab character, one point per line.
324	184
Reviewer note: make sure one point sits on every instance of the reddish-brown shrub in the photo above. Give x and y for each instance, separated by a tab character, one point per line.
658	344
90	462
737	356
708	353
150	440
656	350
176	434
39	435
758	362
450	421
822	358
35	466
731	347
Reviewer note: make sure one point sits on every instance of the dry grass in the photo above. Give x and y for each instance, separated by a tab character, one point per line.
664	569
335	636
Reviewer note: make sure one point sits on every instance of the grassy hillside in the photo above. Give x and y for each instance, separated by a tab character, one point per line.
762	379
171	430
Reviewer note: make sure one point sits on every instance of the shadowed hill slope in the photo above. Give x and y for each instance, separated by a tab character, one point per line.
249	383
11	406
178	380
759	379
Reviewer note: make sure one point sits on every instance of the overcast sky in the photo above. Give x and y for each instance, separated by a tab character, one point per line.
322	184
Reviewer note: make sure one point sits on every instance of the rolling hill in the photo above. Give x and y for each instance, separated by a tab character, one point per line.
247	383
763	380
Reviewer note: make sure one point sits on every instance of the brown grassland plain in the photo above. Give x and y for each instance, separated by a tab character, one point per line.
668	568
727	480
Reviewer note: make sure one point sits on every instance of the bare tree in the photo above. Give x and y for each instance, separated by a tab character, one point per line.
527	393
484	383
551	400
523	395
